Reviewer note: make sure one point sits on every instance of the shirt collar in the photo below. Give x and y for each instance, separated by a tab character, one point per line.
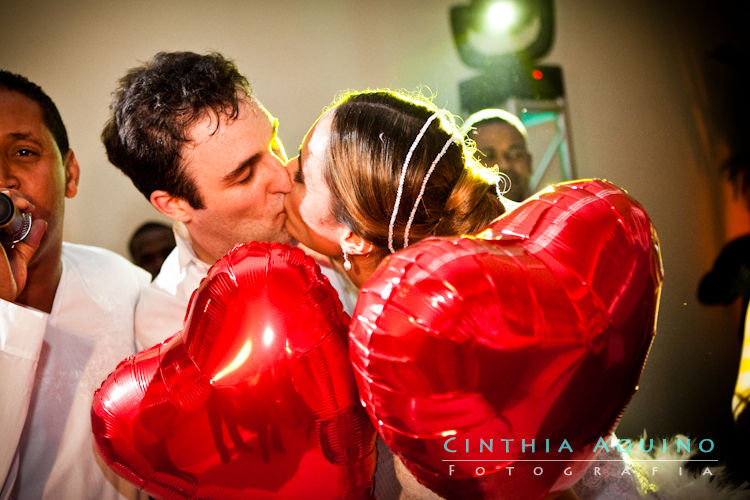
185	253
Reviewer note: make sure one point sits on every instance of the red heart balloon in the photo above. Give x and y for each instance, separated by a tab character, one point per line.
254	398
535	329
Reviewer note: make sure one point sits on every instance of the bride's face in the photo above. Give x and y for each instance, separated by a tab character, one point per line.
308	205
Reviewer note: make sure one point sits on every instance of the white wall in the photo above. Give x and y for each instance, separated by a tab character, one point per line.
638	107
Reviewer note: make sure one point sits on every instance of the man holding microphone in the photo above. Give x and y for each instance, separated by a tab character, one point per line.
66	313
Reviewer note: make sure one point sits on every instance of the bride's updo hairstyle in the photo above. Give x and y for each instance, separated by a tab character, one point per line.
371	135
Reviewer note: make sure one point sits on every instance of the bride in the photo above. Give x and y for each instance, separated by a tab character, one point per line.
380	170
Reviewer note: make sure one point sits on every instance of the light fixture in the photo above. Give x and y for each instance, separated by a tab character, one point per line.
504	39
491	33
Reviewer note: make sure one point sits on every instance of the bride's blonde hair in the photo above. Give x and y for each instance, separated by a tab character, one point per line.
371	134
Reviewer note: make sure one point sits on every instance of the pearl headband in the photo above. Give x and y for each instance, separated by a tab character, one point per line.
403	176
501	177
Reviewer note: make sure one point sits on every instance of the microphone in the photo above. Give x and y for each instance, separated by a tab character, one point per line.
14	225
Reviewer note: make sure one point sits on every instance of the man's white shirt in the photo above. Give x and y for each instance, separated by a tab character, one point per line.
50	366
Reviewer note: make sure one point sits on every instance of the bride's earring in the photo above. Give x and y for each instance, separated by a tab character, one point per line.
347	264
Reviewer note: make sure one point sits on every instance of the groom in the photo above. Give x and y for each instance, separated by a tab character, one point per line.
204	151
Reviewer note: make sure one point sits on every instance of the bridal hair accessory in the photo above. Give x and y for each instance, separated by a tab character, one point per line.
502	177
403	177
424	186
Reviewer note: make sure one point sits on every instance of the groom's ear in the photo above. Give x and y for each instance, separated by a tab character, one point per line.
174	207
355	245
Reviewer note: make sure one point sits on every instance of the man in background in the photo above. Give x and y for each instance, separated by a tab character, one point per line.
150	245
501	140
66	314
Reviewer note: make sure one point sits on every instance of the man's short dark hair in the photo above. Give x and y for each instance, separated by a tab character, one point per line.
50	114
154	106
494	115
144	228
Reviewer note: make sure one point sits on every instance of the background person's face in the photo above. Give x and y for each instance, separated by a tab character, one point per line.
31	163
150	248
308	205
502	145
241	179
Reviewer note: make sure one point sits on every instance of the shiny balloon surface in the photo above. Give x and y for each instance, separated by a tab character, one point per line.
482	358
254	398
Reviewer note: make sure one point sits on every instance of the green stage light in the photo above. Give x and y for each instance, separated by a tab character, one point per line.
491	33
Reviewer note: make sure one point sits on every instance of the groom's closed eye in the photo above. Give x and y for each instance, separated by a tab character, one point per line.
243	173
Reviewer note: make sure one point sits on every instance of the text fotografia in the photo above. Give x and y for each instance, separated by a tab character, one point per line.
498	446
504	455
596	470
